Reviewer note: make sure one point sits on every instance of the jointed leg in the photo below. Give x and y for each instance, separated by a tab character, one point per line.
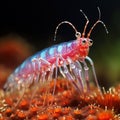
93	69
66	73
76	69
86	69
39	76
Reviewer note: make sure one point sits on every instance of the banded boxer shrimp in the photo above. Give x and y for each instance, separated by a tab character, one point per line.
69	58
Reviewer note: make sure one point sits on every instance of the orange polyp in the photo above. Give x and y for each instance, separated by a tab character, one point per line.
55	115
69	117
57	112
33	110
67	94
111	100
42	117
47	98
37	102
91	117
92	111
24	104
66	110
105	115
21	115
77	112
50	98
8	111
9	101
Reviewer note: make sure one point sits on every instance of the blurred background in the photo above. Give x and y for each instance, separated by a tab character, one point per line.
27	27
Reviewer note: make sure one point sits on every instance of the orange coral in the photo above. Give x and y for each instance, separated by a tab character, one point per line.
63	105
111	99
105	115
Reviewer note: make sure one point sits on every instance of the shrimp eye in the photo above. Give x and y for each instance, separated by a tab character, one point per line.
90	42
84	41
78	34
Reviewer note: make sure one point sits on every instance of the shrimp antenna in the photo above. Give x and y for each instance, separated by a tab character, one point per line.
98	21
83	34
66	22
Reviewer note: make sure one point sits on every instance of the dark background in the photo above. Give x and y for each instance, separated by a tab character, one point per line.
36	22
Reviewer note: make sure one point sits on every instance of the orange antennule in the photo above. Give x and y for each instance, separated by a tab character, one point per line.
83	34
67	22
98	21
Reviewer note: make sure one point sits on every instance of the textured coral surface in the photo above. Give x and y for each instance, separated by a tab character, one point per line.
65	104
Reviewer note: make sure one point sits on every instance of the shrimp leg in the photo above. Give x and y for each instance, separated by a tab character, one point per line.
76	69
86	69
66	73
41	77
94	73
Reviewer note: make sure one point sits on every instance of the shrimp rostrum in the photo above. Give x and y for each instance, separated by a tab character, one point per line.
69	58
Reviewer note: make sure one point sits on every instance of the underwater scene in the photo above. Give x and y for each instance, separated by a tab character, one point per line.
60	60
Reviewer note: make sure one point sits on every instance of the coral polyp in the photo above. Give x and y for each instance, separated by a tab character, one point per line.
110	99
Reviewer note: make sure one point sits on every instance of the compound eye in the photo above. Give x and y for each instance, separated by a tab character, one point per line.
84	41
90	42
78	34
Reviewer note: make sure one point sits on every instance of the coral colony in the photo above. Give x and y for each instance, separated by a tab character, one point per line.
65	104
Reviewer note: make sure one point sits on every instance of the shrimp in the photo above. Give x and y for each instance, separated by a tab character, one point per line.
45	64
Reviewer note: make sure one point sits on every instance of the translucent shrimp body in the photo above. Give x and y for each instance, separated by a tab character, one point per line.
45	61
67	57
